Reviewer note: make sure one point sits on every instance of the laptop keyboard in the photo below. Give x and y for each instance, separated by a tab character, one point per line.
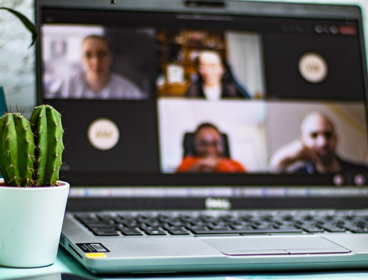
238	223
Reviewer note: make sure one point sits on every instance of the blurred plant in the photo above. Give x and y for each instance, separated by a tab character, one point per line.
26	22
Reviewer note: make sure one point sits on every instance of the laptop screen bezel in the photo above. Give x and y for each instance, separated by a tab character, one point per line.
231	8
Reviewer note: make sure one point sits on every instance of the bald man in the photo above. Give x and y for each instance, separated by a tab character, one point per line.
315	148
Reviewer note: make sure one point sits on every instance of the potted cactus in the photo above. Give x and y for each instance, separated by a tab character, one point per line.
32	200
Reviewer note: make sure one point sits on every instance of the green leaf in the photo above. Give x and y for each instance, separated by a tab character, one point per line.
26	22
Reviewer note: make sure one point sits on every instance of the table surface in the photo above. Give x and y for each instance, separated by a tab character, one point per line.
65	263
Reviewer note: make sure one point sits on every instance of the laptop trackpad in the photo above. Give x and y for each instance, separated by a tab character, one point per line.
275	245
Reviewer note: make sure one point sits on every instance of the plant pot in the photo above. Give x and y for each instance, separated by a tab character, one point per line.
31	219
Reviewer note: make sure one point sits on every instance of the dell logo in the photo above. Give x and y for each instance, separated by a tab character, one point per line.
217	203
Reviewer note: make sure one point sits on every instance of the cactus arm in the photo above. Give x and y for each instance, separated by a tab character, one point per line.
16	150
48	131
7	150
10	152
56	147
26	149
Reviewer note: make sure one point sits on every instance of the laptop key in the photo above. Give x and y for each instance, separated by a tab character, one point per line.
312	229
105	217
99	223
174	222
333	228
264	228
152	224
105	233
287	218
178	232
131	232
87	219
91	225
198	223
308	217
219	228
131	224
197	228
154	232
356	229
241	227
287	229
102	228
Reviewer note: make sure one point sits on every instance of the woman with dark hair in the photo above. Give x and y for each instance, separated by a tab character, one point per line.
215	80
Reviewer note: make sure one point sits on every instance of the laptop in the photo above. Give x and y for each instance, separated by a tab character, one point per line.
208	136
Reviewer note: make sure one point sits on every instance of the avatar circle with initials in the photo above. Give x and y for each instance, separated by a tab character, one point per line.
313	67
103	134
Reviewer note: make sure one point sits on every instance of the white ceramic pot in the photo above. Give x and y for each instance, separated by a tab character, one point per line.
31	219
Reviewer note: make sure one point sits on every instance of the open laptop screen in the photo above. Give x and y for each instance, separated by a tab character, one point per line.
235	94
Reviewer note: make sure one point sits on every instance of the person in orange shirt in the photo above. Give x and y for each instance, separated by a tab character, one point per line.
209	153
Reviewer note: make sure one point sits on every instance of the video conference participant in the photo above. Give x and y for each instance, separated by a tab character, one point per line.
96	81
214	80
316	148
209	153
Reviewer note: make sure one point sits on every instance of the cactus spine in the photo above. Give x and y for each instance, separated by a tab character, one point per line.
31	151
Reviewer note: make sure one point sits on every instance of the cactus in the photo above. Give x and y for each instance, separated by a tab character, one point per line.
31	151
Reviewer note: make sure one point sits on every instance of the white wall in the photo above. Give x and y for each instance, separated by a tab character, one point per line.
16	59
